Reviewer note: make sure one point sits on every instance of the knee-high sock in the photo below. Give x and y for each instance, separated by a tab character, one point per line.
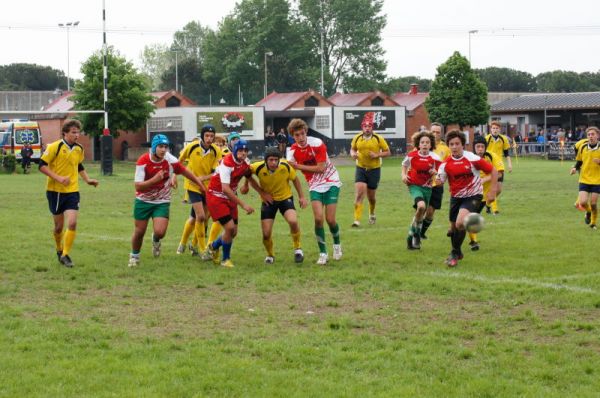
187	231
215	230
358	208
335	232
200	235
296	240
268	244
371	208
69	239
426	224
473	237
594	218
320	233
458	237
216	244
494	205
227	250
58	240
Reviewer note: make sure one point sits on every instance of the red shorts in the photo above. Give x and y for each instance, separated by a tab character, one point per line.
219	207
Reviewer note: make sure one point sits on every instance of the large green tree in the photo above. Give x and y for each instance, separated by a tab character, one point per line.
31	77
129	104
156	60
351	29
457	95
561	81
507	80
402	84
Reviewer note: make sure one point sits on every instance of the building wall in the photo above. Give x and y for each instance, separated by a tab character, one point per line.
418	118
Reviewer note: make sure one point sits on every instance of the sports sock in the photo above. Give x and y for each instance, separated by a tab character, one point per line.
215	230
187	231
227	250
335	232
296	240
268	243
320	233
458	237
69	239
588	207
217	244
371	208
58	239
473	237
358	208
135	253
426	224
594	217
200	235
494	205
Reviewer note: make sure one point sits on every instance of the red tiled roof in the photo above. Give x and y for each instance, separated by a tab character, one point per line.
353	99
61	104
283	101
410	101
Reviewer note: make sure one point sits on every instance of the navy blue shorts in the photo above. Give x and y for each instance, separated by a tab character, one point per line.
195	197
368	176
591	188
58	202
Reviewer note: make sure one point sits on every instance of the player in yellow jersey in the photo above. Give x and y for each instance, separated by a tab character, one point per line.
62	162
221	143
499	144
367	148
588	164
202	158
480	148
437	191
588	211
274	177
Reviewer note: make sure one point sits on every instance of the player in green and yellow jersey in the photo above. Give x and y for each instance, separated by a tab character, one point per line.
498	144
62	162
588	165
274	176
367	148
202	158
437	191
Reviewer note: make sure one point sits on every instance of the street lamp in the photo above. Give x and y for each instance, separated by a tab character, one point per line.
470	33
68	26
176	69
321	50
267	54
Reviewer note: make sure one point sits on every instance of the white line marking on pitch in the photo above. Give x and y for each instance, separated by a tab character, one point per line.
522	281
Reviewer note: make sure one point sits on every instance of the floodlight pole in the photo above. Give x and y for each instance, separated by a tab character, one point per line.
68	26
470	33
267	53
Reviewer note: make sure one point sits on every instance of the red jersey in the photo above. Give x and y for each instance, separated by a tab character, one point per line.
228	172
311	154
463	174
146	168
420	166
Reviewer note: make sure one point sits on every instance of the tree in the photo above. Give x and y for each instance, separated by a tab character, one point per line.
402	84
507	80
129	104
156	59
560	81
352	36
191	82
31	77
457	95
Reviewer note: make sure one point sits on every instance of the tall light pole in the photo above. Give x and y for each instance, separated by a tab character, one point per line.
267	54
68	26
470	33
176	69
322	50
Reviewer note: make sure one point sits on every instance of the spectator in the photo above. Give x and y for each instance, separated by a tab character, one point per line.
542	141
270	139
26	154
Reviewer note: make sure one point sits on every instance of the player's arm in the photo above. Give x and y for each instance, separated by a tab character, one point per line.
354	148
384	151
226	188
84	175
45	169
491	195
264	195
507	156
190	176
301	198
318	168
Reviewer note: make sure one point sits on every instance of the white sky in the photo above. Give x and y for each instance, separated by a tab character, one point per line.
527	35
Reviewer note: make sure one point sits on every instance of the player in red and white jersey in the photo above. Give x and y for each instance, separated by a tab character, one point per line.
153	184
418	169
461	169
222	200
309	155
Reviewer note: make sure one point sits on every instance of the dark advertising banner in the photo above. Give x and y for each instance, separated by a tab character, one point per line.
226	122
383	121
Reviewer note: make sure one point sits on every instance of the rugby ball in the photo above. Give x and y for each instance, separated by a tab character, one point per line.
474	222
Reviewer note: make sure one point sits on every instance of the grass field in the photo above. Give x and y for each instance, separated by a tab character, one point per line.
521	317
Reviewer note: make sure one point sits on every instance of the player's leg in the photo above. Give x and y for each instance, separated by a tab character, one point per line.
594	207
455	207
229	232
267	232
70	219
57	232
331	199
291	217
188	228
435	203
373	177
199	225
494	205
360	189
160	222
318	209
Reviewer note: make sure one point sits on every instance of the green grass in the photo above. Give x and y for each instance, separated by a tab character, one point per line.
518	318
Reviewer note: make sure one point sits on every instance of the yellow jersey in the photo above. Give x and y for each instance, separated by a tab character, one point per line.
579	144
442	150
590	170
497	144
498	165
363	146
64	161
276	183
200	161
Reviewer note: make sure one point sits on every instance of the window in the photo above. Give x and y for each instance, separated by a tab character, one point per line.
377	101
322	122
173	102
312	101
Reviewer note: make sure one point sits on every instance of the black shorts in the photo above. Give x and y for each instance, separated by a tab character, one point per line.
437	193
58	202
471	203
590	188
195	197
269	211
501	176
368	176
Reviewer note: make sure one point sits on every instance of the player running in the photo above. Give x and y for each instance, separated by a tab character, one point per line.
588	165
466	191
202	158
153	184
498	144
274	176
418	169
309	155
368	149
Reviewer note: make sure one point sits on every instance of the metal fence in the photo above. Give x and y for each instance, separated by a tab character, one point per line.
551	150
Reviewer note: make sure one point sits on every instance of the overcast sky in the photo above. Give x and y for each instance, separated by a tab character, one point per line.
532	36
